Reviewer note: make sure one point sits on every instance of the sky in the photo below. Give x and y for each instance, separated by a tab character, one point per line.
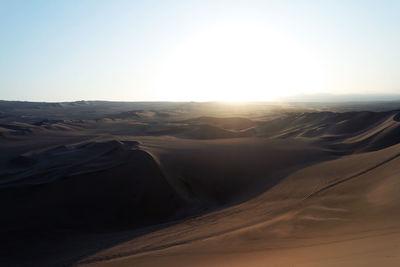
215	50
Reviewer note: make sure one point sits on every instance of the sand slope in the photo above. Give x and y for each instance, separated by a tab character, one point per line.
335	213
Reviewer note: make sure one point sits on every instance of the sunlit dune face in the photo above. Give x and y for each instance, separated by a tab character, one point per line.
238	62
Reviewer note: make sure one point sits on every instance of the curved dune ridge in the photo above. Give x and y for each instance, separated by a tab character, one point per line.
303	188
96	184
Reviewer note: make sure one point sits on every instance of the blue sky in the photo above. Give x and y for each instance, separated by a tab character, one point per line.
196	50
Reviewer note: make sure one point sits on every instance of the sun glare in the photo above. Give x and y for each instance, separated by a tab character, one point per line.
238	62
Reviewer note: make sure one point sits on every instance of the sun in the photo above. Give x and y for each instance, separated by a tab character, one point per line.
238	62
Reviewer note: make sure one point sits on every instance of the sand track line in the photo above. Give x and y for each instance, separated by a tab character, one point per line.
351	177
179	243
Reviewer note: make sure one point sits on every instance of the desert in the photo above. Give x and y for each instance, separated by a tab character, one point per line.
199	133
265	186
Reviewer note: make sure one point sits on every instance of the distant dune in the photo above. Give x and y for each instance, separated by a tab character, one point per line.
179	185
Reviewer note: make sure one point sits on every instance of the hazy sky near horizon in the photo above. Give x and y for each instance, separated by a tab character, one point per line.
196	50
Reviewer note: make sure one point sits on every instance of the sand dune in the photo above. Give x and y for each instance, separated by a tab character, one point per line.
153	187
205	131
92	184
328	214
230	123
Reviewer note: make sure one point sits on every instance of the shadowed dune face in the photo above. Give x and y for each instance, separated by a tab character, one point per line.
220	172
170	185
94	184
116	183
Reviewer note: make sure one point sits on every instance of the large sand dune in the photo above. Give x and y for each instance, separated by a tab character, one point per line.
174	185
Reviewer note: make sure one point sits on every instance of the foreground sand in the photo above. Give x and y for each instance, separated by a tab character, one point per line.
353	223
